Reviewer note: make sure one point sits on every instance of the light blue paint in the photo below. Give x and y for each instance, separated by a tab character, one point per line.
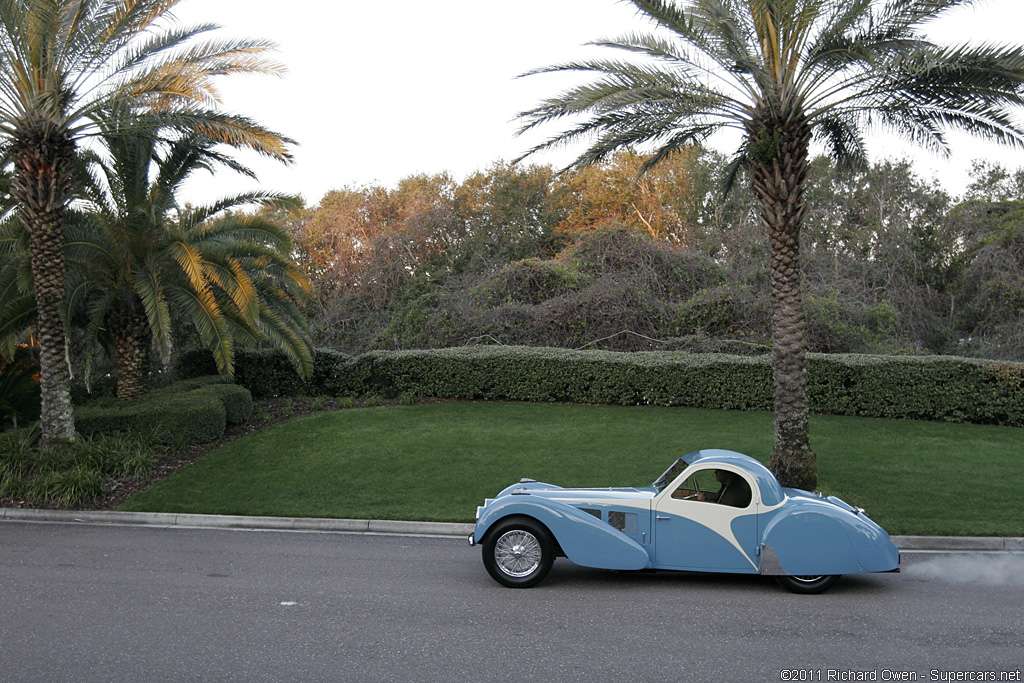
586	540
684	544
810	535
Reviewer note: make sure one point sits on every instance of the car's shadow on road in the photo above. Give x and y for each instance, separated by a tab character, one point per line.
567	574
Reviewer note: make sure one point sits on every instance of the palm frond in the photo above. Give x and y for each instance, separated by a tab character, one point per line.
152	291
201	309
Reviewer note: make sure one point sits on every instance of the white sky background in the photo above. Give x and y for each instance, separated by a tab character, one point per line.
377	91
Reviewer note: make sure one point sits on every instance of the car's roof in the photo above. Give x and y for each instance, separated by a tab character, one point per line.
771	490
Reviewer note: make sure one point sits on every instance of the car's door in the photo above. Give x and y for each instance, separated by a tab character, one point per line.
703	535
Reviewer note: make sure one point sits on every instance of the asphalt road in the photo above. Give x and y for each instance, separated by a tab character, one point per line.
122	603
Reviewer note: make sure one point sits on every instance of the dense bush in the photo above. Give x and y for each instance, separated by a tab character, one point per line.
191	411
536	374
193	417
267	373
531	281
726	312
19	389
195	363
612	288
237	399
931	387
925	388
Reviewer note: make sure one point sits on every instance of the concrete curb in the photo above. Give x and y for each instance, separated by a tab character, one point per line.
384	526
374	526
960	543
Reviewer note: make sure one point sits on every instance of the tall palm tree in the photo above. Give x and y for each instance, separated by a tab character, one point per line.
61	60
139	261
784	73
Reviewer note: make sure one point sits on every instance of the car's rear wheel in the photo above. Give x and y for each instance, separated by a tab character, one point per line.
518	552
807	585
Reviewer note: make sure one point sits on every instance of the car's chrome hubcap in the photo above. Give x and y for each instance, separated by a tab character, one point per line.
807	579
517	553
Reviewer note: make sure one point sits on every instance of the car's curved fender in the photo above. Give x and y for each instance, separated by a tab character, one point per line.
585	540
843	542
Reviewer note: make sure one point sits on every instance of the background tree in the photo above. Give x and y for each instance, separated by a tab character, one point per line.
60	62
991	182
875	255
509	212
661	202
783	72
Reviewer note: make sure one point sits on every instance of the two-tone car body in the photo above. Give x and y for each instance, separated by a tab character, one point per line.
711	511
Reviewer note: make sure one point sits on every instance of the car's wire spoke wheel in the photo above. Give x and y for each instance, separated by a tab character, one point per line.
517	553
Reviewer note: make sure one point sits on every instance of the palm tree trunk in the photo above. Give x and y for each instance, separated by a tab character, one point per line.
44	158
132	338
779	175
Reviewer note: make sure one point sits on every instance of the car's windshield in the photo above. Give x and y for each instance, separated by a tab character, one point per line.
670	474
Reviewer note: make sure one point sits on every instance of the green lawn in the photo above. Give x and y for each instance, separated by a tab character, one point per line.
439	461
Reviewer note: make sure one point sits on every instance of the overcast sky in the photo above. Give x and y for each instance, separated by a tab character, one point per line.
376	91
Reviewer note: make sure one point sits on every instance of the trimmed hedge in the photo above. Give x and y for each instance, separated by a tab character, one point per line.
237	399
539	374
193	411
268	373
180	419
918	387
911	387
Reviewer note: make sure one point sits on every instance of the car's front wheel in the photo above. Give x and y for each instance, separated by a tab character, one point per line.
518	552
807	585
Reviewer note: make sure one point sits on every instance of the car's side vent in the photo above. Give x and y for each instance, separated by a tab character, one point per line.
626	522
589	511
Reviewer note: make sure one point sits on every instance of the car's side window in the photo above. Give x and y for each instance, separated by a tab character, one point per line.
715	486
700	486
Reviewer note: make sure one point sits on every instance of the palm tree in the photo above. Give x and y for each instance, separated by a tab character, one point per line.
61	61
139	261
784	73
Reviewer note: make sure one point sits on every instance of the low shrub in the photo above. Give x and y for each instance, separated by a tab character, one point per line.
373	400
237	400
182	418
189	411
73	475
66	487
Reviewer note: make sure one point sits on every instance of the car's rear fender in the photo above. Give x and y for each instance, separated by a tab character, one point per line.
585	540
818	538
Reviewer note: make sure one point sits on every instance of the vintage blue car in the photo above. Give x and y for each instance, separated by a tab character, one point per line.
711	511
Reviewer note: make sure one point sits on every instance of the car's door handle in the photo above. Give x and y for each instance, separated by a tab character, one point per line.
660	518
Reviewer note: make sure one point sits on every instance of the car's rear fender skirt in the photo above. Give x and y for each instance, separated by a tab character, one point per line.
809	543
818	540
585	540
